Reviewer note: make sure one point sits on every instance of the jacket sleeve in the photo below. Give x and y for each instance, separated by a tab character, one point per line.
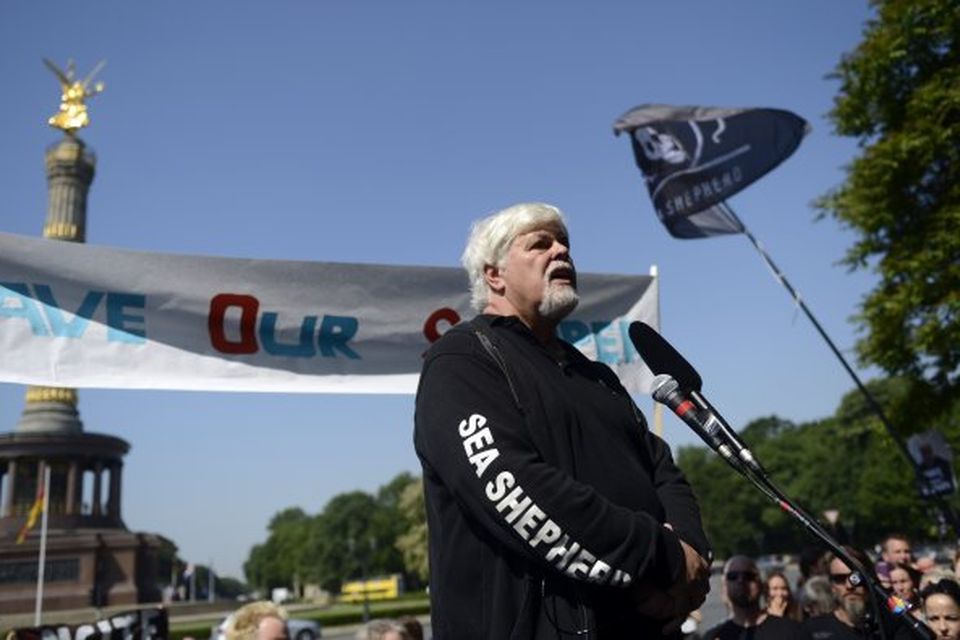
472	435
683	511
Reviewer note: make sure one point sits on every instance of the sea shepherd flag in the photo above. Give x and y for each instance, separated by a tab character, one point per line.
694	158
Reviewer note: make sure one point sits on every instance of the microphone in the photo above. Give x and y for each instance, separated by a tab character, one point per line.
662	358
666	391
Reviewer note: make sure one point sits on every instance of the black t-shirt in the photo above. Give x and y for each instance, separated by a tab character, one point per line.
772	628
828	627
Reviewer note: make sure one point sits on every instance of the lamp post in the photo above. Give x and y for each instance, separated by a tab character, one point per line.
359	557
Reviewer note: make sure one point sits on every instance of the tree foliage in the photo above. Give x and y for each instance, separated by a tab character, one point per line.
355	535
846	462
900	97
279	561
413	542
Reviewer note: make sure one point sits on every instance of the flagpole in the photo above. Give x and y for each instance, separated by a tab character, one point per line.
657	407
43	544
871	401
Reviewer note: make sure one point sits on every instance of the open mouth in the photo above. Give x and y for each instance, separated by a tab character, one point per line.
562	273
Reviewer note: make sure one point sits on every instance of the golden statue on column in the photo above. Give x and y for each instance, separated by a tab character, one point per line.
73	110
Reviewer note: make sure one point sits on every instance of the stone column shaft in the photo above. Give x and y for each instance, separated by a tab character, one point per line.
113	504
9	487
70	500
97	507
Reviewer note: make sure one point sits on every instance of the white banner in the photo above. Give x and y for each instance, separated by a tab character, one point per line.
77	315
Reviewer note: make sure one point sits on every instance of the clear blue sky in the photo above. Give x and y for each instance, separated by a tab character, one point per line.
375	132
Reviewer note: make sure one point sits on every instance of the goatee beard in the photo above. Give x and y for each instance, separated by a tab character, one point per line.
558	302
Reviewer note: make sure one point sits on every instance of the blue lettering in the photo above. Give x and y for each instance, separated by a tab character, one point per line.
27	307
629	351
268	337
335	332
61	327
117	319
608	350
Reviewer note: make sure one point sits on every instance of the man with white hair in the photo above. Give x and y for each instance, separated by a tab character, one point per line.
552	510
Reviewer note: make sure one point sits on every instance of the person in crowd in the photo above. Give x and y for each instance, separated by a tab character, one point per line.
382	629
260	620
779	598
849	615
817	597
413	627
812	563
903	584
553	511
882	570
896	549
936	575
924	564
742	590
941	608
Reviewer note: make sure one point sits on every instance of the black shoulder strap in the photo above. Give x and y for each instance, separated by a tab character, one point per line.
494	352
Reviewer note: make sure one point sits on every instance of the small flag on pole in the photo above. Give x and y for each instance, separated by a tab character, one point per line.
33	516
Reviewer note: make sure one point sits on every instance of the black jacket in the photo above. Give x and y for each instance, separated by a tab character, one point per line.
545	503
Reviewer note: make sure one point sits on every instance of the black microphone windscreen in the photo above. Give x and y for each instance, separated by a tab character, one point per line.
661	357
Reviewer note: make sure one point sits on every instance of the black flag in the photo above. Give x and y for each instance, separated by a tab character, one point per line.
694	158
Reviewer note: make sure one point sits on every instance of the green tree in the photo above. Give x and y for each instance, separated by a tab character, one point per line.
231	588
355	535
279	562
353	539
412	543
846	463
900	97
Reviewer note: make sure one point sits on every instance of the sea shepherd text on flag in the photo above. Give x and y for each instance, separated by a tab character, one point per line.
694	158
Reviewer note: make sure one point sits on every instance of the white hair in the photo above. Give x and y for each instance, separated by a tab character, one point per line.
379	628
491	237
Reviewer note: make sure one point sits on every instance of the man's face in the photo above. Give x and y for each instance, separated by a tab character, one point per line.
272	629
537	276
896	551
742	582
852	599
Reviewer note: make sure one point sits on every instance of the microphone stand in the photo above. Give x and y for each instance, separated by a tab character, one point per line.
751	469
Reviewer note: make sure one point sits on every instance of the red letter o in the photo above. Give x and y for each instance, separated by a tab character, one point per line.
248	320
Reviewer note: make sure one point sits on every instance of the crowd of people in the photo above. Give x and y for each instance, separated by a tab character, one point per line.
265	620
827	601
830	599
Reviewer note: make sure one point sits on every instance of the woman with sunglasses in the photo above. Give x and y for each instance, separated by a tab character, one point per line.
941	608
